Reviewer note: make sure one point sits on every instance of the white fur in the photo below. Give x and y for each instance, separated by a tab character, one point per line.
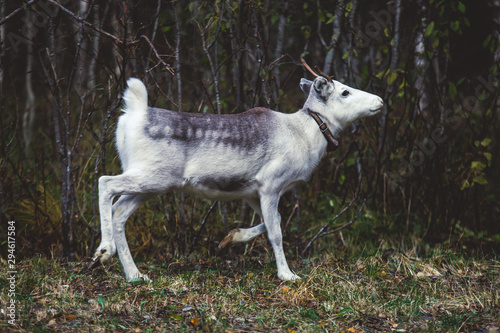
255	156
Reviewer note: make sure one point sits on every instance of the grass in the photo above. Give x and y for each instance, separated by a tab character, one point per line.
368	292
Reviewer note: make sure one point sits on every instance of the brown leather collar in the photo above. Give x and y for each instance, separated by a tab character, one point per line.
333	143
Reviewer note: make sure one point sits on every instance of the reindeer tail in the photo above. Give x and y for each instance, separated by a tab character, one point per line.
135	97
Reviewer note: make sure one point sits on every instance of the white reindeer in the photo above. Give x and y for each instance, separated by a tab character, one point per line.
257	156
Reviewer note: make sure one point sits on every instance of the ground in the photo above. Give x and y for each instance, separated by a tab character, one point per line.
368	292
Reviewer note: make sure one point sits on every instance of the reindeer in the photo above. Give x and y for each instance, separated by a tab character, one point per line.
256	156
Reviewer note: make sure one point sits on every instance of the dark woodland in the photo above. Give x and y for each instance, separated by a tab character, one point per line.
421	174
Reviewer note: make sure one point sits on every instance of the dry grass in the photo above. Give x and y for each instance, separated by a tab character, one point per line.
381	292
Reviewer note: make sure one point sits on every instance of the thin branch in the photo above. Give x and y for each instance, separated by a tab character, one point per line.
195	238
291	215
88	24
17	11
348	223
212	66
327	225
167	66
107	34
178	59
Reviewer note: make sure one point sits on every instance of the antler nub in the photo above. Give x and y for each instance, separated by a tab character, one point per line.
329	78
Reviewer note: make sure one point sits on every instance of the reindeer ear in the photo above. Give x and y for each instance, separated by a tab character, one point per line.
322	87
305	85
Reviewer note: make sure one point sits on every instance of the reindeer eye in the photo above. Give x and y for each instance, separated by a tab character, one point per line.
345	93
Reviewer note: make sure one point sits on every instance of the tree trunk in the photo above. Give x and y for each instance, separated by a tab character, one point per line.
495	5
95	49
395	44
393	68
2	48
421	62
353	60
3	217
181	227
278	51
29	110
335	40
62	134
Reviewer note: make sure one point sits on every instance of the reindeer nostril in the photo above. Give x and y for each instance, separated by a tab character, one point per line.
380	105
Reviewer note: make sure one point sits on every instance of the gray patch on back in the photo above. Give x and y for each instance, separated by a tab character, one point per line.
244	131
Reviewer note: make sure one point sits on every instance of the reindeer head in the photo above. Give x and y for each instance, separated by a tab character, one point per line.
338	103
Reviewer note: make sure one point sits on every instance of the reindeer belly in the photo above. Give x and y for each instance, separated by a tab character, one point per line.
221	187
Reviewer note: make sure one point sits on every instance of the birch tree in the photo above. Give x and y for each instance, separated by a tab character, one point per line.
29	109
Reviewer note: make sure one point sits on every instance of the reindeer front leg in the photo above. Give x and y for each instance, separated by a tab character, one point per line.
272	220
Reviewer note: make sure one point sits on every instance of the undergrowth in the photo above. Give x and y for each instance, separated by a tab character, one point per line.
351	291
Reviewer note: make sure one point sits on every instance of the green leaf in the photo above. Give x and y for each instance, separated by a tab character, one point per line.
435	43
348	7
480	180
461	7
346	55
330	18
380	75
455	25
477	165
482	97
176	317
452	90
391	78
343	311
487	41
488	158
430	29
101	301
321	16
485	142
306	30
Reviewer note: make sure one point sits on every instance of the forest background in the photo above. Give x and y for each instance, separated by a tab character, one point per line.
424	173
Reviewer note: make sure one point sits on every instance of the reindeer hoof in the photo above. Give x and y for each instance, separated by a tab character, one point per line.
102	255
139	280
289	276
96	260
93	263
229	238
